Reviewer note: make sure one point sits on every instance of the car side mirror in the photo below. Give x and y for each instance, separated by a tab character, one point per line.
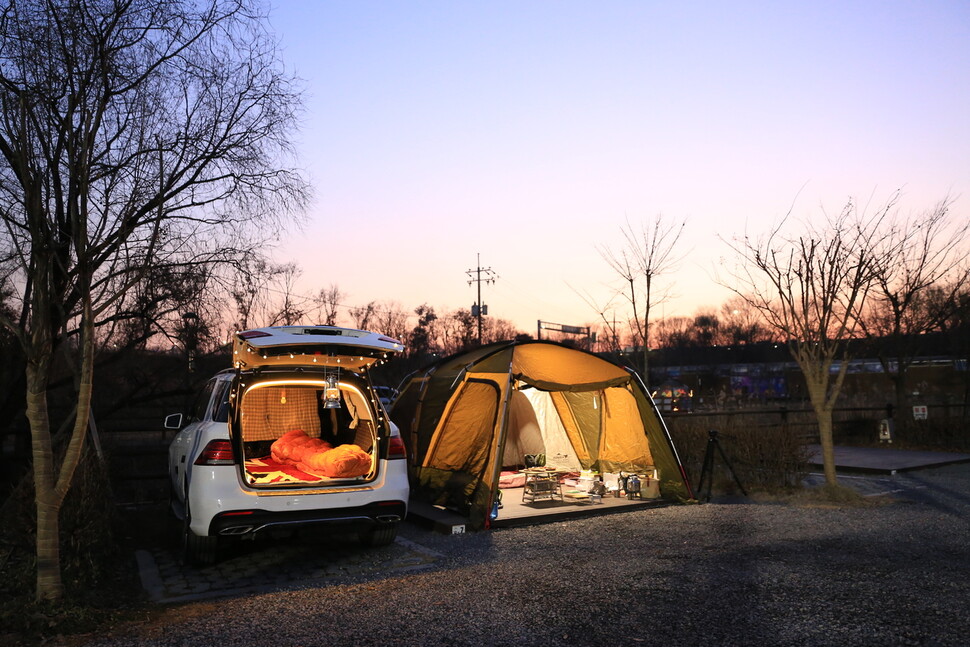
173	421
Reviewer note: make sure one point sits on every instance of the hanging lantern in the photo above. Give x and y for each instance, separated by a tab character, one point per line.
331	392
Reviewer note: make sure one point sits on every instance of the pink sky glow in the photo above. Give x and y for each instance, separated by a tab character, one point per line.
529	132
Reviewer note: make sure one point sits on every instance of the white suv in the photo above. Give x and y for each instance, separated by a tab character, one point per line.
293	435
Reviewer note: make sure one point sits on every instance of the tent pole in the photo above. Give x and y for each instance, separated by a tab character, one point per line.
500	449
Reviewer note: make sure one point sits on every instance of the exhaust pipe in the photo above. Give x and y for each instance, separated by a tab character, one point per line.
388	518
236	530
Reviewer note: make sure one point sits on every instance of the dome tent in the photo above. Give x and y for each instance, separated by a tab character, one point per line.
466	416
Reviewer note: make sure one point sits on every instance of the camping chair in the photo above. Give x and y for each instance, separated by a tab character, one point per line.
538	486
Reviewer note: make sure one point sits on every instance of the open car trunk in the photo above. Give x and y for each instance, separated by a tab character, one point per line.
294	431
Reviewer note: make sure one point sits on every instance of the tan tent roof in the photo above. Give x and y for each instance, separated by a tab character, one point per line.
554	368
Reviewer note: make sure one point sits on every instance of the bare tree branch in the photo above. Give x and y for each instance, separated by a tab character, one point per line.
811	287
647	254
922	267
141	141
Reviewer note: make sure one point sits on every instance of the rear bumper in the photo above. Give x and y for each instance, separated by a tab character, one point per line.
239	523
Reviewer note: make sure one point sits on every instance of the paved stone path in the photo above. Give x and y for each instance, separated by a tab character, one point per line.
293	563
885	459
870	485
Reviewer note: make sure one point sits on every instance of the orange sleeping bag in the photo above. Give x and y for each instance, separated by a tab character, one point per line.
319	457
293	446
341	461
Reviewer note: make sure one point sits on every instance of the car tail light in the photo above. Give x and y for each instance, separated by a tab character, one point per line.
396	448
217	452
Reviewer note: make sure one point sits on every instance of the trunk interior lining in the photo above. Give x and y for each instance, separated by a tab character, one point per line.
267	412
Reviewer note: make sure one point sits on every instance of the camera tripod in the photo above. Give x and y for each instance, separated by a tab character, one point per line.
708	467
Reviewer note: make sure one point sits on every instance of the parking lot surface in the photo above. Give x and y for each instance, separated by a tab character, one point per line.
893	569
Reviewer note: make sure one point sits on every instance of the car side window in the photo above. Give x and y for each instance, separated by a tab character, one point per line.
201	404
220	403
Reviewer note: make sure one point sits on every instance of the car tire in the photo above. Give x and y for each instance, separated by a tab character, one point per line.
196	550
381	535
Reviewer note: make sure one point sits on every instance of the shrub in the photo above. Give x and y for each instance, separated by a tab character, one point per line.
935	433
91	558
765	458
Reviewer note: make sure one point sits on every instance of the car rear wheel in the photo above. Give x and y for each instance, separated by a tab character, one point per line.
196	550
381	535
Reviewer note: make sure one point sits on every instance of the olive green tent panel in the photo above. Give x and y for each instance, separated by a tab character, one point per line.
607	425
472	415
673	480
422	403
580	422
409	400
458	469
623	445
464	419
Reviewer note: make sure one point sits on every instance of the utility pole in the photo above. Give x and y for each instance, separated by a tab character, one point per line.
475	276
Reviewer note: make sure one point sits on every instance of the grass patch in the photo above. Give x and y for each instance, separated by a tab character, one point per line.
824	496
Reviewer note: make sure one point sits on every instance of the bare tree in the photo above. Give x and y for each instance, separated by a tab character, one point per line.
292	306
811	288
498	329
922	266
706	328
155	305
129	131
362	316
264	293
327	301
392	320
607	315
671	332
457	331
647	254
422	337
741	323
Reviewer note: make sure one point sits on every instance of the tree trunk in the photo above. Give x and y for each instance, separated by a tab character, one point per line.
646	333
817	382
646	366
49	585
50	485
827	440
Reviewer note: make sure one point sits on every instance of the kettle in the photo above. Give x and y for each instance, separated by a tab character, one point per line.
633	487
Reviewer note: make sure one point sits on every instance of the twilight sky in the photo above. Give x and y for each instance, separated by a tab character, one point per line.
529	132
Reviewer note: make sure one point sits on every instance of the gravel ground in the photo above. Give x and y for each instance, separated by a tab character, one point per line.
733	572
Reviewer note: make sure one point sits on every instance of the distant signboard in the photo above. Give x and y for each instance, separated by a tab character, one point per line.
920	412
